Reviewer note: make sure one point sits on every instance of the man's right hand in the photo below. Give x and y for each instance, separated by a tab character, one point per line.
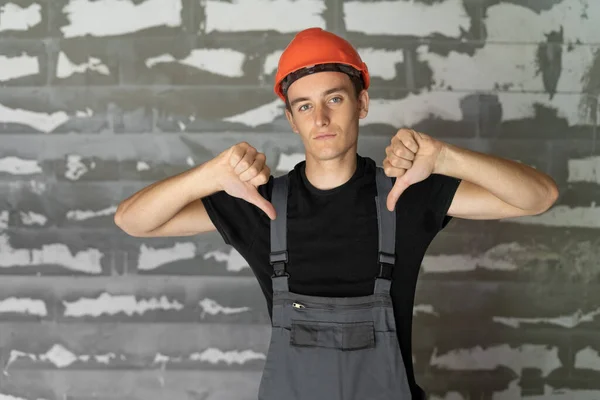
241	169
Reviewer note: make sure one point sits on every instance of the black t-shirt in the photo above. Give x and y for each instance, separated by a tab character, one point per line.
333	238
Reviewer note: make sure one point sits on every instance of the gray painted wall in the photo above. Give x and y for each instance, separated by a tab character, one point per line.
101	98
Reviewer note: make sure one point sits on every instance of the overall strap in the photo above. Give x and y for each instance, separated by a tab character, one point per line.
279	254
386	221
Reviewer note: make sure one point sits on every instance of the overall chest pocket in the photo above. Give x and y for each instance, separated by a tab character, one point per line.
346	336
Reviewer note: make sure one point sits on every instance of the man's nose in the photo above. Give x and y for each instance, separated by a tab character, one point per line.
321	116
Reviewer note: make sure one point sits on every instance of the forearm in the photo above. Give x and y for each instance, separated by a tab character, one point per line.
512	182
156	204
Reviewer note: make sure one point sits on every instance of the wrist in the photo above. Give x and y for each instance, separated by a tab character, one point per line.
441	161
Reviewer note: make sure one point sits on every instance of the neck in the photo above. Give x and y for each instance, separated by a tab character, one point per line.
329	174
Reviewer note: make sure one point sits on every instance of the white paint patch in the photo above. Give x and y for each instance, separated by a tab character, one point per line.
118	17
66	67
527	25
224	62
449	396
23	306
287	162
235	261
44	122
424	309
502	257
59	356
278	15
514	391
415	108
190	161
37	187
4	217
584	170
82	215
87	261
16	18
587	359
142	166
76	168
544	358
211	307
566	321
18	166
108	304
272	62
582	217
216	356
151	258
487	68
406	18
381	63
264	114
16	67
32	218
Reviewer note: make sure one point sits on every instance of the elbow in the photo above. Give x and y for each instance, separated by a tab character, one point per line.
549	197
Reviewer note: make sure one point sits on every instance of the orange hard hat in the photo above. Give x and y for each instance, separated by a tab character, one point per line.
313	47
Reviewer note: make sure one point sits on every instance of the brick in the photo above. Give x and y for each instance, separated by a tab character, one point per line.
24	19
22	62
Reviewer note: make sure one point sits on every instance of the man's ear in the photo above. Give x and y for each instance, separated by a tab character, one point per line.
363	104
290	119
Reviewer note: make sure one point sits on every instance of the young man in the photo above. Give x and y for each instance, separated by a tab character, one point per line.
317	242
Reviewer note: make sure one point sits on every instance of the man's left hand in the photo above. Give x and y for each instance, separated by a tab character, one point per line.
411	157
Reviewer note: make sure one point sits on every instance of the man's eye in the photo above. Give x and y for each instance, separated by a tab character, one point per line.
301	108
337	98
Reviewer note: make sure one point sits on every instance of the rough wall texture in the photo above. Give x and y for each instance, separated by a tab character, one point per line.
100	98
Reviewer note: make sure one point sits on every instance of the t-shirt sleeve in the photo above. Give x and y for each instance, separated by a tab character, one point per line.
442	191
236	219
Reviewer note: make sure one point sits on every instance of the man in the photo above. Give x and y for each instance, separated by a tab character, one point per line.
334	225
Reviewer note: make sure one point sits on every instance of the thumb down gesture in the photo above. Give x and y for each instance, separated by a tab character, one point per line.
411	157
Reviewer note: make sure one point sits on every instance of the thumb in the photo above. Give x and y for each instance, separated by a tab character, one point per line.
396	191
255	198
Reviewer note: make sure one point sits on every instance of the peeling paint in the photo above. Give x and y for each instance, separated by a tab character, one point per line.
22	305
4	217
30	218
587	358
381	63
19	166
142	166
528	26
75	167
117	17
584	170
234	260
502	257
424	309
87	261
566	321
418	19
264	114
59	356
16	18
213	356
211	307
82	215
66	68
108	304
278	15
224	62
16	67
582	217
544	358
150	258
44	122
515	391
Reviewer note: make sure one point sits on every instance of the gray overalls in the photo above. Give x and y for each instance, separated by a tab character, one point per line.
333	348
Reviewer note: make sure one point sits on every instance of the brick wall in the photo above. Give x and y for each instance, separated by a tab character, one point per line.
101	98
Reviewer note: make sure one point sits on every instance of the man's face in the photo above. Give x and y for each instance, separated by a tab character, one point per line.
326	103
